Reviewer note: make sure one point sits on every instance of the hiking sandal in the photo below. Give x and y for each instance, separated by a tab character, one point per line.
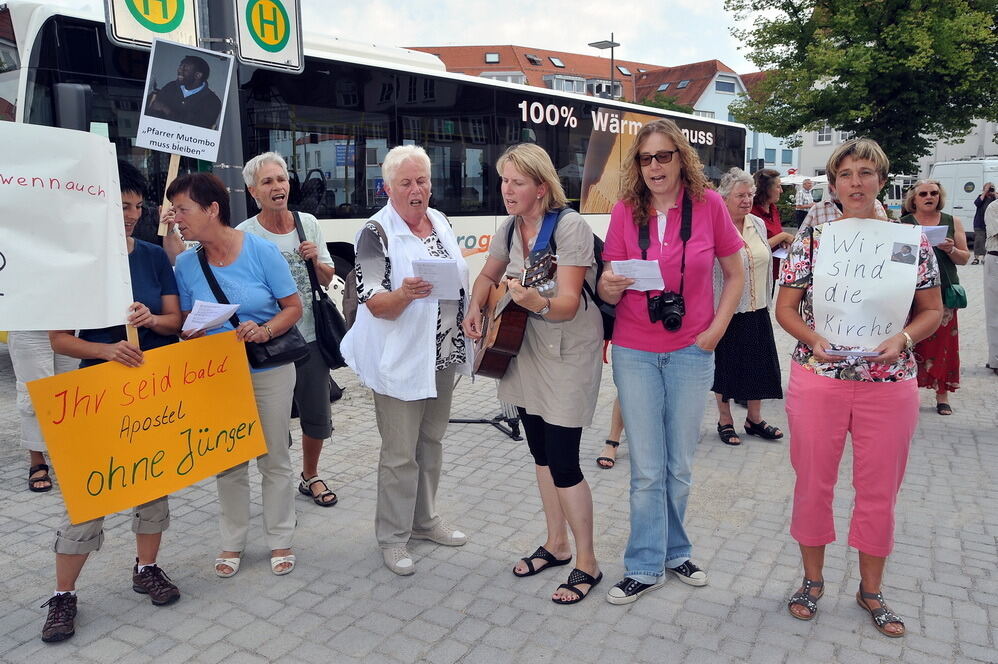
882	615
305	489
42	467
762	430
803	597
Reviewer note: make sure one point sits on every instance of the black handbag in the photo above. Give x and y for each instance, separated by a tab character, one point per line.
288	347
330	326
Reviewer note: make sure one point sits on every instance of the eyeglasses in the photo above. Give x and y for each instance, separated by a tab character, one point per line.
923	194
662	157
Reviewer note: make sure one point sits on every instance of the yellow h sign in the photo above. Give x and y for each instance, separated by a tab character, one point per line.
268	24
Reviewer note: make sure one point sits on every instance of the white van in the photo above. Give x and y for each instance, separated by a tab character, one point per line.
963	182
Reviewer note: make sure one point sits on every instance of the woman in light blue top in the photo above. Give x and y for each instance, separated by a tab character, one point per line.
252	273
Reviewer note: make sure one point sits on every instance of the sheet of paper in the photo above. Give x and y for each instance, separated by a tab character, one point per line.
646	274
443	277
780	253
935	234
851	353
208	315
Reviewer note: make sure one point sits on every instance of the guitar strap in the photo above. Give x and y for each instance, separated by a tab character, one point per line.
544	235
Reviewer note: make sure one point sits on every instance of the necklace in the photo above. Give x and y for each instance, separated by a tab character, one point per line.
220	262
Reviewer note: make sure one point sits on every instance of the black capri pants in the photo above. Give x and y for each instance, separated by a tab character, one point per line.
555	447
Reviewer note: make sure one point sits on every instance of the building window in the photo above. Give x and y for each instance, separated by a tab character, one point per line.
565	83
845	136
683	83
788	156
748	154
507	76
824	135
722	85
533	59
641	71
664	87
704	114
491	58
623	70
731	117
770	156
557	62
599	87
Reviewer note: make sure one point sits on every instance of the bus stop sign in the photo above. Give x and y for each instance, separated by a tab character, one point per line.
135	23
268	34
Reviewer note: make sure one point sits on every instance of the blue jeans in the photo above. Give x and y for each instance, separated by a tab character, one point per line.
662	399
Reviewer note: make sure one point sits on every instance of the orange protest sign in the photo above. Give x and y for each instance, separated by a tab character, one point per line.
119	436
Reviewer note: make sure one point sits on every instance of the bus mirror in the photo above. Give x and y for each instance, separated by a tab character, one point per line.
72	106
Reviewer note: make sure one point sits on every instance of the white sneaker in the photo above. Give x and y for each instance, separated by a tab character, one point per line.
398	560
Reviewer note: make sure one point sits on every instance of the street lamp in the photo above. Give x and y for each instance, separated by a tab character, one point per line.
604	44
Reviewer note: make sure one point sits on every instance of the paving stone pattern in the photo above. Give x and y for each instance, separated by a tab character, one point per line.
463	605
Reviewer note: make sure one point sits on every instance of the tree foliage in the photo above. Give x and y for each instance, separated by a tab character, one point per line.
901	72
664	101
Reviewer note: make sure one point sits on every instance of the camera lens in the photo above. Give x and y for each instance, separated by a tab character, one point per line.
672	322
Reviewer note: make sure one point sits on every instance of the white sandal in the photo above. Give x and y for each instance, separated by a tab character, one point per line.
279	560
230	562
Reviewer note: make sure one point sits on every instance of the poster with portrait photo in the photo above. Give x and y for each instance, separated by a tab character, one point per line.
184	100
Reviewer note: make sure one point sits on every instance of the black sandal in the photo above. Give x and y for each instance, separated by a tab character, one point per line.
305	489
574	579
882	615
727	432
944	408
762	430
544	555
41	478
804	598
608	460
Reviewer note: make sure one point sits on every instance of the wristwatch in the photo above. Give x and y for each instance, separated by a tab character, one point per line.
543	311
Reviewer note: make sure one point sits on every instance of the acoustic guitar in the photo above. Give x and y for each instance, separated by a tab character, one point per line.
505	322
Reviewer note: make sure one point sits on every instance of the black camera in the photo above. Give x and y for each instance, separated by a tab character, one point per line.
669	308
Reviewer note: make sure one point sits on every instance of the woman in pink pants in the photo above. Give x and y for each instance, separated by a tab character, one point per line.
874	399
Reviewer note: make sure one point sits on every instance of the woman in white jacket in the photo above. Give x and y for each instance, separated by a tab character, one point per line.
407	347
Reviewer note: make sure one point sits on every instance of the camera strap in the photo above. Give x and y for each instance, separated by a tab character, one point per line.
685	230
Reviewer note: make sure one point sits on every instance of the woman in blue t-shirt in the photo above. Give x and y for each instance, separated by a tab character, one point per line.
156	314
251	273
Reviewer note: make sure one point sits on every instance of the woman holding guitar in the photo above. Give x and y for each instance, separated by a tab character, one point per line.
554	379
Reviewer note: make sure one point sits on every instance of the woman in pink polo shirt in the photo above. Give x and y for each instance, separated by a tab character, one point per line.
663	341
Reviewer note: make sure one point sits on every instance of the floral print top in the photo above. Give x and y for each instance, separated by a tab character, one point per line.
796	273
374	275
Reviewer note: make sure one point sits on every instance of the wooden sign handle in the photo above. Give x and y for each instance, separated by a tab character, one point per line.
171	175
132	335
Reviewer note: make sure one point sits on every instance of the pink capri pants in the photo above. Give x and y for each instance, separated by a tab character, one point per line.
881	417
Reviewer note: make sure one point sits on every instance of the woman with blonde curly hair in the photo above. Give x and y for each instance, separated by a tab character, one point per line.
663	343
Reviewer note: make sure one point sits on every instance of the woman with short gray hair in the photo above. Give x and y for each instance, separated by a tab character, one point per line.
407	346
746	366
266	177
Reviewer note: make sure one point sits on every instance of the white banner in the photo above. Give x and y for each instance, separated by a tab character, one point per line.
63	260
864	280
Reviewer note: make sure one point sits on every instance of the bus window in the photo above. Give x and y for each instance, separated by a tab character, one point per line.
332	125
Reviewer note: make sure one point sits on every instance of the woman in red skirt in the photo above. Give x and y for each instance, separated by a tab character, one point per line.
938	356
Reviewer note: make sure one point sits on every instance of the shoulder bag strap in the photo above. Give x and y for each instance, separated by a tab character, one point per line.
213	284
313	278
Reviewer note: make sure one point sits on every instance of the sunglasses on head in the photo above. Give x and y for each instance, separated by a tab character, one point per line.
923	194
662	157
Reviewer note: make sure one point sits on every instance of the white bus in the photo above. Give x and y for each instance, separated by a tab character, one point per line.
335	122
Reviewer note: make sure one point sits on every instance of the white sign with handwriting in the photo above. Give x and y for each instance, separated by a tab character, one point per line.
864	280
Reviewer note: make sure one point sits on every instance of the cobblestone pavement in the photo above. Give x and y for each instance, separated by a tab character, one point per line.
463	605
